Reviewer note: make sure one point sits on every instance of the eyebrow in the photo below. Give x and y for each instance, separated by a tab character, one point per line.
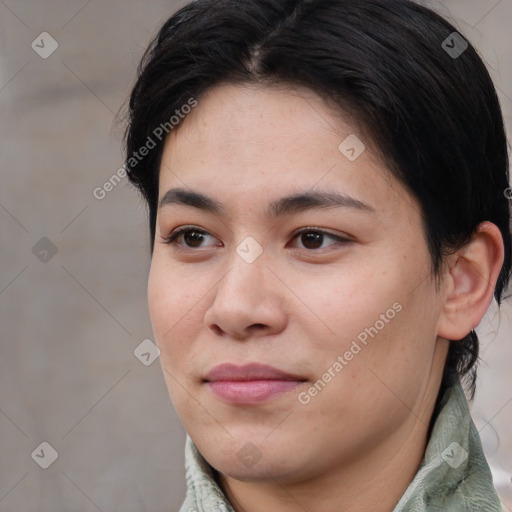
291	204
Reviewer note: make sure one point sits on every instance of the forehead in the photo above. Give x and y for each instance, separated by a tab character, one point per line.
256	140
231	114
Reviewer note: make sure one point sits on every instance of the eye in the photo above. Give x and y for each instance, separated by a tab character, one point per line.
190	235
313	238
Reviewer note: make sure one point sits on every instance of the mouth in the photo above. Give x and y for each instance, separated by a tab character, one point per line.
248	372
249	384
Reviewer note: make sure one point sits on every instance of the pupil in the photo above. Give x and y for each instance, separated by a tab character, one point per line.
312	238
190	240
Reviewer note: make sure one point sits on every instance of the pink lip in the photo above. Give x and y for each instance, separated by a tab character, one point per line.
249	384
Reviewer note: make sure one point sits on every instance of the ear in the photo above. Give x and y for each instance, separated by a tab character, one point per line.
470	282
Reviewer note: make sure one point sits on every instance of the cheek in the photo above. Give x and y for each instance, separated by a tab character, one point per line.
161	297
173	309
343	303
375	314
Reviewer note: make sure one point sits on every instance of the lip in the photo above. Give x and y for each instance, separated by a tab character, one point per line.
249	384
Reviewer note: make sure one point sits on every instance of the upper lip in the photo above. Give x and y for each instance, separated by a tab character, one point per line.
251	371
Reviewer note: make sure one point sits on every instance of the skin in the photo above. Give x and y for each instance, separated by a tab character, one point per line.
357	444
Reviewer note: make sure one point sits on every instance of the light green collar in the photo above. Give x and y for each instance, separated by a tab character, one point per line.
453	477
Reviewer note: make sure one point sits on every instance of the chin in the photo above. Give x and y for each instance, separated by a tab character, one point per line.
262	470
253	456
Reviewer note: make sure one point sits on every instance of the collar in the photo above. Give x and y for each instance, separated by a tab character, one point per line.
453	476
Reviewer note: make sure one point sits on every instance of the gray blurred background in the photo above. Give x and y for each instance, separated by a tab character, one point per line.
74	267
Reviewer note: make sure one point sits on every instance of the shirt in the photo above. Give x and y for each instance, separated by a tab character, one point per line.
453	476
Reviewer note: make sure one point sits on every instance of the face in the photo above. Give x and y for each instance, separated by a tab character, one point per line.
331	288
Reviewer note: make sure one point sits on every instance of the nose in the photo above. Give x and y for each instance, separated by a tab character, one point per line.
247	302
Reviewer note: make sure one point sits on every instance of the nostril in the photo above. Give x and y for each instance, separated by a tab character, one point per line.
216	329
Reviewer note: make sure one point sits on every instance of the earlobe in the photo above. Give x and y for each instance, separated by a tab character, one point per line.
471	279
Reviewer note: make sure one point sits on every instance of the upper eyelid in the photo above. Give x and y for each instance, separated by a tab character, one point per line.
320	230
183	229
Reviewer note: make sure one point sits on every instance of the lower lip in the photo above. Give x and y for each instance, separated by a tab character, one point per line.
250	391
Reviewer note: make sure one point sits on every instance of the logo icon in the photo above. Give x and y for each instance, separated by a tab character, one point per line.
146	352
351	147
44	45
44	250
249	455
249	249
45	455
454	45
454	455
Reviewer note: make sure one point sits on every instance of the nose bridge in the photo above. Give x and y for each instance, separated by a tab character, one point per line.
245	297
247	269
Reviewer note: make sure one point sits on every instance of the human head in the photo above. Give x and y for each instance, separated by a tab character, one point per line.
436	169
434	119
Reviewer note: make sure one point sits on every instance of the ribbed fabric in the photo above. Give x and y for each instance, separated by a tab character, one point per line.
453	477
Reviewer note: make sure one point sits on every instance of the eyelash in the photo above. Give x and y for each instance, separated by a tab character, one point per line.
171	239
